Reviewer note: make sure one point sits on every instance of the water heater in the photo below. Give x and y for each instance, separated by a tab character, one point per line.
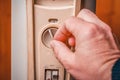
44	17
48	14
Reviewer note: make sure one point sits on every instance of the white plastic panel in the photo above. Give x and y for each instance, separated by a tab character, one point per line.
49	14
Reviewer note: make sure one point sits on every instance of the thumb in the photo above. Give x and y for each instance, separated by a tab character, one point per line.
62	53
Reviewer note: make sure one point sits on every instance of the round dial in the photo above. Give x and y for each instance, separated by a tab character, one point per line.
48	35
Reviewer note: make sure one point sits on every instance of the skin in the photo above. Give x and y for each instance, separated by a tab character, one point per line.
95	49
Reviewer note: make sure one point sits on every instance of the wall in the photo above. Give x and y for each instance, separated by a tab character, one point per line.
19	40
109	12
5	39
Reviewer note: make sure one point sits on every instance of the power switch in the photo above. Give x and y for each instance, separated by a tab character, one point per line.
48	75
55	75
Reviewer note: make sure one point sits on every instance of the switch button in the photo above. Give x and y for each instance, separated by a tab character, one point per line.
55	75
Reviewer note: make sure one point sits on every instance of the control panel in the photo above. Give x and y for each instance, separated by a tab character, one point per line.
48	14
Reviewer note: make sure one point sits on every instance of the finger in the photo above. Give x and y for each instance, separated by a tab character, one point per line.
71	41
62	53
89	16
62	34
72	26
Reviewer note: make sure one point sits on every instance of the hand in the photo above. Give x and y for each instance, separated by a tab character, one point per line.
95	49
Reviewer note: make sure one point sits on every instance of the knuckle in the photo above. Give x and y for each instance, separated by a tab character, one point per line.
91	29
92	26
107	28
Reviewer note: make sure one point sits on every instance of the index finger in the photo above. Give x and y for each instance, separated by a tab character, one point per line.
71	27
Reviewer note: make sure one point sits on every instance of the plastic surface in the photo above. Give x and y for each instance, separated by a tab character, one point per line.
48	14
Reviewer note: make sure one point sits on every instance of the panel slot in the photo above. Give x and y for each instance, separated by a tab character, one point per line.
55	2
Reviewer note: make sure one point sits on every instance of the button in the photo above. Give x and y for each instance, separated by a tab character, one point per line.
55	75
48	75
